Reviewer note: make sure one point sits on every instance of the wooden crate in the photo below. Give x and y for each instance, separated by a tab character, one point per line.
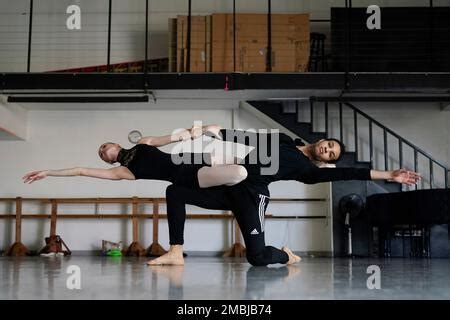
290	42
200	55
212	43
172	44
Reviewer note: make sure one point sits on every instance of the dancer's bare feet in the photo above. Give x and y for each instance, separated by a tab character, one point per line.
173	257
292	257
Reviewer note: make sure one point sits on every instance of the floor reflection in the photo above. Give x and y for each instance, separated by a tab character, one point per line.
203	278
175	276
261	279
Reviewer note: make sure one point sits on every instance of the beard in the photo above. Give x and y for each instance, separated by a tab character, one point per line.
315	154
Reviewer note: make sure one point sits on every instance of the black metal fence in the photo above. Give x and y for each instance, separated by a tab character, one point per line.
343	35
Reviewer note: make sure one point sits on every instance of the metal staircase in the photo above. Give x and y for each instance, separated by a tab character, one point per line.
318	118
290	113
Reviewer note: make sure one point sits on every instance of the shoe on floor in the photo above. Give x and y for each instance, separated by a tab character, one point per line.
50	254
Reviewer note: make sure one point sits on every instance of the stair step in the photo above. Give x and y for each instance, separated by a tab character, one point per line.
367	163
377	186
349	159
389	186
288	112
304	125
349	154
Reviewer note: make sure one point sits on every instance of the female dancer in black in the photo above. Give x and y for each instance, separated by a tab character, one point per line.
146	161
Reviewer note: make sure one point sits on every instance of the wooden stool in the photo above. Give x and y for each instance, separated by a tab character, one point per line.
135	248
237	249
155	249
18	248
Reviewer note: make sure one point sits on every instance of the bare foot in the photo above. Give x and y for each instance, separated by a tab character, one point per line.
174	257
292	257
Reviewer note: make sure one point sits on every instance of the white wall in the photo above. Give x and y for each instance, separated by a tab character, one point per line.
13	121
59	139
71	138
64	139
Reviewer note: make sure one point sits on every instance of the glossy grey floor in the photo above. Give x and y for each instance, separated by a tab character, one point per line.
218	278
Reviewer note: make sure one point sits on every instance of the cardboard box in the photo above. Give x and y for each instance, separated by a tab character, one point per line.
200	44
289	37
212	43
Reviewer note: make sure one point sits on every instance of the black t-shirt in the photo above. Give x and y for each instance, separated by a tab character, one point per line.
292	163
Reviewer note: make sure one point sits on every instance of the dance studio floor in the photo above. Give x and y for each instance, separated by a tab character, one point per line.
217	278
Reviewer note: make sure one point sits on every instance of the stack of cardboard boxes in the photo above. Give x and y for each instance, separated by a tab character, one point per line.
212	43
200	51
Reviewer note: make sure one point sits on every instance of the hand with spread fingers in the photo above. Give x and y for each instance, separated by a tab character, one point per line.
404	176
34	176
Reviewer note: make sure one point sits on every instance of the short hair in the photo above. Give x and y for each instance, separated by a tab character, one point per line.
342	147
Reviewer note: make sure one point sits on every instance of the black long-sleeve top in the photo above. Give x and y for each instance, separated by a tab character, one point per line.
293	163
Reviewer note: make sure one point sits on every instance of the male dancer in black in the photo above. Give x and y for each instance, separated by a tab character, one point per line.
248	200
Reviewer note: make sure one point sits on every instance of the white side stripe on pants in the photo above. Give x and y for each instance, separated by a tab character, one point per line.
261	211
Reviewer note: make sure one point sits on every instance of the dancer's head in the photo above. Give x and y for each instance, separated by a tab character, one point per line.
328	150
108	152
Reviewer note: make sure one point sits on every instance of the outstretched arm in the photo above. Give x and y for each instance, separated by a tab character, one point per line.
159	141
181	135
116	173
316	175
401	176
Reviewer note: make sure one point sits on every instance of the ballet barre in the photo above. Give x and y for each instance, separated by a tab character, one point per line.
135	248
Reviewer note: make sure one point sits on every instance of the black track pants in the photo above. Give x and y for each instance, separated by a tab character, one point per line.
248	208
